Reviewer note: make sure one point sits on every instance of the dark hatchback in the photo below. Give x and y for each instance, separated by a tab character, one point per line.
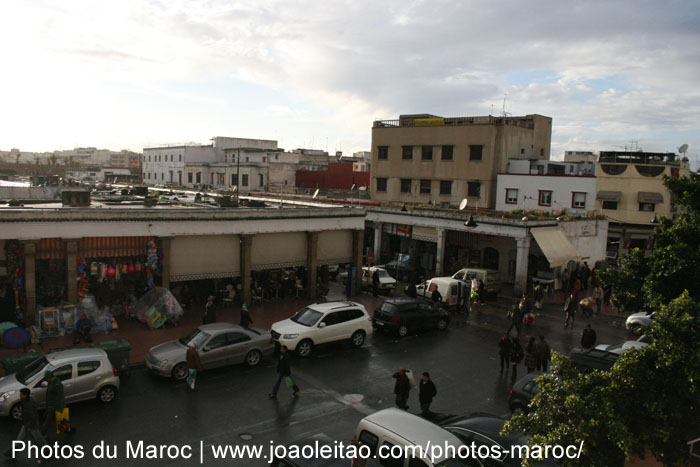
404	272
402	315
523	391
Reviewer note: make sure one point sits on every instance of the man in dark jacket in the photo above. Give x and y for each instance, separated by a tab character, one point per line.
516	318
570	309
516	356
504	346
55	402
426	392
246	320
411	290
588	337
543	353
209	311
284	371
30	421
402	388
375	283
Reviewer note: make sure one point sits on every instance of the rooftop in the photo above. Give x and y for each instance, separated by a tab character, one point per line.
433	120
638	157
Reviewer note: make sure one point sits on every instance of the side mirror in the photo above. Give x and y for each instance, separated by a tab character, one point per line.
44	384
205	349
322	325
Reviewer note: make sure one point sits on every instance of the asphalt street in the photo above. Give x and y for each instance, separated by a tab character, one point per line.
339	386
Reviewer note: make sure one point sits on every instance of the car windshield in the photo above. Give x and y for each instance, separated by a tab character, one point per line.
388	308
196	336
31	370
307	317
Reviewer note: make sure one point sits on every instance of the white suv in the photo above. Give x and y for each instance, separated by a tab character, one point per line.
321	323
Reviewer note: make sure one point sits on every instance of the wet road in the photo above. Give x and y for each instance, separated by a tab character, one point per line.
339	385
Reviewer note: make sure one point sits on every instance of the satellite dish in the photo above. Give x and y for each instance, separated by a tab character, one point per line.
463	204
683	149
315	194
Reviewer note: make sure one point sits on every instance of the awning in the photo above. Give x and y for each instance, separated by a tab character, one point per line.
555	246
609	196
649	197
110	247
50	248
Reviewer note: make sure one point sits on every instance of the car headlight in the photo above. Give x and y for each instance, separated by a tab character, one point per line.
290	336
162	363
6	395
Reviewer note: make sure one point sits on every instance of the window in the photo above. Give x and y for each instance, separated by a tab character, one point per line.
425	187
578	200
85	368
522	150
545	198
211	178
407	152
370	440
162	176
264	159
447	153
236	338
382	153
511	196
474	189
189	177
405	185
216	342
234	179
541	151
149	158
475	152
64	372
244	180
381	184
260	179
220	179
179	158
199	177
647	207
332	318
390	460
148	176
612	205
427	153
353	314
445	187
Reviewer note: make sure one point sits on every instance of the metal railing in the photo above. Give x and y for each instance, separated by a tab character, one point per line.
486	120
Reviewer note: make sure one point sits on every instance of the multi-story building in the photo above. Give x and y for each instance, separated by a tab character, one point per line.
423	158
580	156
312	159
631	193
282	170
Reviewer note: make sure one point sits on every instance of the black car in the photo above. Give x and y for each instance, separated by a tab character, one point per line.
405	314
485	431
404	272
522	393
587	360
313	441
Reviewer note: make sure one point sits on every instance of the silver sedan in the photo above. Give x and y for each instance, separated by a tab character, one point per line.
219	344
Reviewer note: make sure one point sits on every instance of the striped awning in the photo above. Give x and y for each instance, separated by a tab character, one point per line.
109	247
50	248
649	197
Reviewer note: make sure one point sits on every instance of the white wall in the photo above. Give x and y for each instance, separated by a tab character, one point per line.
589	237
528	187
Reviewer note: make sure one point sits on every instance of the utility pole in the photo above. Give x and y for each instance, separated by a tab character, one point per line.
238	175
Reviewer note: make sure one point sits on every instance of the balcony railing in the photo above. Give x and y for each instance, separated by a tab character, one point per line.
486	120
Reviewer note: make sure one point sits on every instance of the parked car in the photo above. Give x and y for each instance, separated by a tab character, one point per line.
85	373
404	272
402	315
386	282
322	323
636	322
601	357
492	279
486	431
316	444
219	344
523	391
453	291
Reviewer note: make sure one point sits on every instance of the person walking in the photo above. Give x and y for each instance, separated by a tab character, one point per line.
209	311
375	283
481	292
504	346
598	297
30	421
193	364
530	357
516	356
436	296
411	290
402	388
516	318
246	320
474	291
539	296
588	337
55	402
284	371
543	353
565	280
426	392
570	309
585	275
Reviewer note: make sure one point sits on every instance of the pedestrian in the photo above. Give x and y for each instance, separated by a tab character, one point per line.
565	280
474	293
209	311
539	296
193	364
481	292
246	320
530	356
543	353
30	421
598	297
284	371
516	317
585	275
588	337
82	330
402	388
504	346
375	283
516	356
465	302
411	290
55	402
436	297
607	293
570	309
426	392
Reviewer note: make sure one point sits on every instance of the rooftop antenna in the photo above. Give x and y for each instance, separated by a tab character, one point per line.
683	149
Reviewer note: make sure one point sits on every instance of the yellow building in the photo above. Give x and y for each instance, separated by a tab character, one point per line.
631	193
423	158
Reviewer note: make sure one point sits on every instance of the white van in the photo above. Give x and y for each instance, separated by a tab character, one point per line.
453	291
392	430
491	278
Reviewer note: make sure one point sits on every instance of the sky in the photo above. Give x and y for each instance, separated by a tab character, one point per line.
129	74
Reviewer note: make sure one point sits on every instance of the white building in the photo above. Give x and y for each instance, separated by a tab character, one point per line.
579	156
283	170
546	186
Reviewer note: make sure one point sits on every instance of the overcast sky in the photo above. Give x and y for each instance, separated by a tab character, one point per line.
128	74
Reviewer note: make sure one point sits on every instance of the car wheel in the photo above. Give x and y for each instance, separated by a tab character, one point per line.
403	330
636	328
16	412
180	371
442	324
106	394
253	357
358	338
304	348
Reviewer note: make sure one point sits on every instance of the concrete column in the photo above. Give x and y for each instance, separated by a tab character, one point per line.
311	264
521	258
440	251
166	243
377	241
246	247
30	282
357	245
72	270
